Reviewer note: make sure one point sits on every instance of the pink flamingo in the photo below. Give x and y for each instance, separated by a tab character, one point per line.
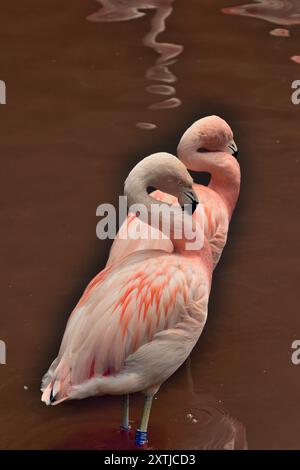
207	146
138	321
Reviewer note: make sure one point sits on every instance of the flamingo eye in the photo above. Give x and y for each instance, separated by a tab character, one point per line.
202	150
150	189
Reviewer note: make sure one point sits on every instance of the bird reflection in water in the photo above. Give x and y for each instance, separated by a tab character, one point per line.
190	420
280	12
125	10
201	421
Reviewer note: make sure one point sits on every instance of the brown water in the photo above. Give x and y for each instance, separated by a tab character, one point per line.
77	87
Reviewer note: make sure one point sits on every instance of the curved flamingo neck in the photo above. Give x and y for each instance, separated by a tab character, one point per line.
225	178
224	170
166	222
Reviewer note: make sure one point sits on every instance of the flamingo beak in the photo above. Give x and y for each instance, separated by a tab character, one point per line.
188	200
232	147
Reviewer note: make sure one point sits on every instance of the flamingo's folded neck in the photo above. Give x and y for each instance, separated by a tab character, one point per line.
228	187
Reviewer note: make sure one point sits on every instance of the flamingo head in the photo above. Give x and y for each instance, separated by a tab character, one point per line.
209	134
161	171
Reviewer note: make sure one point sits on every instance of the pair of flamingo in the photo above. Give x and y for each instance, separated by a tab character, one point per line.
139	319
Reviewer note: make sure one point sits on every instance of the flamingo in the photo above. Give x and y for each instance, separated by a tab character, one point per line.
138	320
206	146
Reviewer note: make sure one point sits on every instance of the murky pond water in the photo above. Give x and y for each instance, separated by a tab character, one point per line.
92	87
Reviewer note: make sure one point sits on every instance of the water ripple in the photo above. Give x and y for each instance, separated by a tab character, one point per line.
205	423
281	12
125	10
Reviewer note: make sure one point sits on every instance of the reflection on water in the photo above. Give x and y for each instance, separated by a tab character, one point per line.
209	426
207	423
146	125
281	32
296	59
187	420
123	10
281	12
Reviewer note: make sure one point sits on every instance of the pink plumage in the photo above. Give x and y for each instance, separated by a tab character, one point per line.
139	318
213	135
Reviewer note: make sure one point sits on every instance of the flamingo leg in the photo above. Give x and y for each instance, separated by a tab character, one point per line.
141	436
125	423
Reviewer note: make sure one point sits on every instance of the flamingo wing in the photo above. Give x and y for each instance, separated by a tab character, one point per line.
120	311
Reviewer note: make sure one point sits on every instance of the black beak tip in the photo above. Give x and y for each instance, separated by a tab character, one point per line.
52	397
236	154
193	205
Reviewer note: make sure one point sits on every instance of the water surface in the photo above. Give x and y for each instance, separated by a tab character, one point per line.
76	88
